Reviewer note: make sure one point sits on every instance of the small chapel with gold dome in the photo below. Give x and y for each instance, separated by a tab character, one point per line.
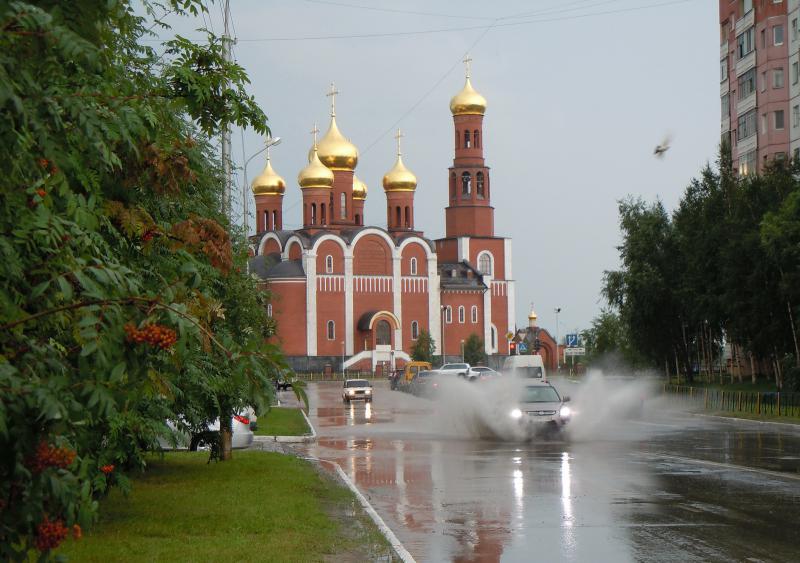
356	296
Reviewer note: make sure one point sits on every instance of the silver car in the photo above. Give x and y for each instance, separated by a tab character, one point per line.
540	408
357	390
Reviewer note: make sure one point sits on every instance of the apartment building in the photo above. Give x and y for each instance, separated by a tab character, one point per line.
759	81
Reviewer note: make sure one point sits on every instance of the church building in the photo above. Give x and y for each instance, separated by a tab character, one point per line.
355	296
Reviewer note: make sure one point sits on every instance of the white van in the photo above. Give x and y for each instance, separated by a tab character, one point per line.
525	366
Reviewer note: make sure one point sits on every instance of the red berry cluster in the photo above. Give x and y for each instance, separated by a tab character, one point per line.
148	236
77	533
107	468
50	456
155	335
49	535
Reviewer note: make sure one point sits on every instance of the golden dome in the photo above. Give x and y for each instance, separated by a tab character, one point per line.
336	152
316	174
268	182
532	316
468	101
399	178
359	188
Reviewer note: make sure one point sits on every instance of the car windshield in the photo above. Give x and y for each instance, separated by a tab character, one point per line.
455	366
357	383
540	394
527	371
425	374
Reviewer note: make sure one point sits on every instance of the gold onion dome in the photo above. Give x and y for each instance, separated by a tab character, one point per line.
532	316
268	182
399	178
359	188
316	174
336	152
468	101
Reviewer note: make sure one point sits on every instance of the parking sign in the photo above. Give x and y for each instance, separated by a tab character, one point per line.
572	340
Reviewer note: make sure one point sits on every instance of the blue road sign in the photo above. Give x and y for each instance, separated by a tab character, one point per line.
523	347
572	340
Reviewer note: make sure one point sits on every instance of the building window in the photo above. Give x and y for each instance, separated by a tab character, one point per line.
275	219
777	35
408	217
795	72
745	6
358	219
726	106
747	84
796	154
485	265
780	156
723	70
794	29
383	333
313	213
777	78
474	314
747	163
479	182
763	123
764	38
331	330
413	266
324	216
343	205
744	43
329	264
269	310
466	184
796	116
467	144
764	81
779	119
747	125
448	314
476	139
462	314
452	186
398	217
414	330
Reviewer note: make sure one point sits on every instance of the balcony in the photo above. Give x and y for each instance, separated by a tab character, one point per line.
745	21
723	50
746	104
724	87
746	145
746	63
725	125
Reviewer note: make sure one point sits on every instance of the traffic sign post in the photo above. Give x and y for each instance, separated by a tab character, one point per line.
575	351
571	340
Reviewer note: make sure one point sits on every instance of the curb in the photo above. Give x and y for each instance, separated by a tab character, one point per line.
785	425
304	439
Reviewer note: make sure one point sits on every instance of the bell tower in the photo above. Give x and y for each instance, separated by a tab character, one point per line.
469	211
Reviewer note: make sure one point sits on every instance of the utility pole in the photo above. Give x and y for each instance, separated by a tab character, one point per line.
226	128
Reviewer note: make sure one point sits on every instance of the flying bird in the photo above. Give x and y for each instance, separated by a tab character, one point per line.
663	147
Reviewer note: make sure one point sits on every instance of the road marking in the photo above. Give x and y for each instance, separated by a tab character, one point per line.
721	465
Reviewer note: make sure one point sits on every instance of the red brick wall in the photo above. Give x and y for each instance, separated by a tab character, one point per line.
455	332
330	248
289	311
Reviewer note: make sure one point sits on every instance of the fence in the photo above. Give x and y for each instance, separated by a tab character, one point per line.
338	375
752	402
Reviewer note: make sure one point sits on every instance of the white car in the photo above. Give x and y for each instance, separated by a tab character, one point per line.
483	373
241	437
461	370
357	390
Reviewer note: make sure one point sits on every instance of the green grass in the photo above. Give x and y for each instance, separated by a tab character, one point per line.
761	385
282	421
258	507
764	417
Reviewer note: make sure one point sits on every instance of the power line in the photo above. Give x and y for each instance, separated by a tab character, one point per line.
396	11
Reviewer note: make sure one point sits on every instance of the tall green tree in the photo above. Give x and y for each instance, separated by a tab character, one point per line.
424	348
125	298
474	350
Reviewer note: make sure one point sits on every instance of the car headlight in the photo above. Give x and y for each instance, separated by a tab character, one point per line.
516	413
565	412
369	391
351	392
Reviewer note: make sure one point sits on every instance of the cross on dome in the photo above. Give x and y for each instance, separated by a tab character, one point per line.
399	136
314	132
467	60
332	94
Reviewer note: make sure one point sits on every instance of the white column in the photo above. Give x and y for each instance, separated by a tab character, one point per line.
509	274
434	302
487	315
397	292
463	248
310	265
512	317
349	335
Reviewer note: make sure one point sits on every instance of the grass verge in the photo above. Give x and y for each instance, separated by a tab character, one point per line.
259	506
282	421
761	417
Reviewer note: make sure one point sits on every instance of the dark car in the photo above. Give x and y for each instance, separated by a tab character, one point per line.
425	384
283	381
540	408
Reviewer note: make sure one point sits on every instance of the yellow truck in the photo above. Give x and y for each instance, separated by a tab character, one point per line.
404	376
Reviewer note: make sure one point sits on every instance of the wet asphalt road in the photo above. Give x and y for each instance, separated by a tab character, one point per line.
666	487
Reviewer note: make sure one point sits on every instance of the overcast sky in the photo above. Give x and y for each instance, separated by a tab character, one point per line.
576	104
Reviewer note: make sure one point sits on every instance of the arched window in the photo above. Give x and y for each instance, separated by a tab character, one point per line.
343	205
331	330
479	182
313	213
462	314
476	139
485	265
383	333
274	219
329	264
266	220
466	139
458	138
408	217
453	186
269	310
323	214
413	266
448	314
398	218
466	184
414	330
494	339
474	314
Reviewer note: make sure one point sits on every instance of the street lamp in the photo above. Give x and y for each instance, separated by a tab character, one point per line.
443	316
462	351
271	142
558	352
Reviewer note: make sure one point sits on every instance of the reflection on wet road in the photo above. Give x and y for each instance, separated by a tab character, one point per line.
657	489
